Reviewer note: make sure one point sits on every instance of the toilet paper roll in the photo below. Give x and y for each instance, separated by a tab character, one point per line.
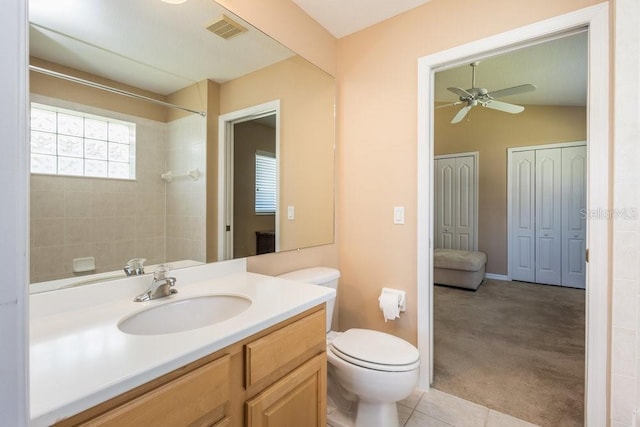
390	305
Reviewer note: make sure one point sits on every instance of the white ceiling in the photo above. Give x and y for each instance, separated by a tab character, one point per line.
558	69
343	17
148	44
163	47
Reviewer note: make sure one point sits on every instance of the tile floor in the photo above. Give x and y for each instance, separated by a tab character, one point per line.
437	409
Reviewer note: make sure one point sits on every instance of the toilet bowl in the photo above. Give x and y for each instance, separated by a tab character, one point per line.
373	369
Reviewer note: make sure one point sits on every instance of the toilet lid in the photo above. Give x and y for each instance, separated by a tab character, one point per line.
375	350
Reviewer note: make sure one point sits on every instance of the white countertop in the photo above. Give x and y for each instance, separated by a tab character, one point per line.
80	358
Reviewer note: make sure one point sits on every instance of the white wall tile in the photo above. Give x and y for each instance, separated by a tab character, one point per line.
626	254
624	352
623	398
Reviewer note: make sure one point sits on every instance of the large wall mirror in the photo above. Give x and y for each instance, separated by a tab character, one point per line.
173	133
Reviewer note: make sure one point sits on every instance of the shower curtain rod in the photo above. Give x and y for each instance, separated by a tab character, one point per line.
111	89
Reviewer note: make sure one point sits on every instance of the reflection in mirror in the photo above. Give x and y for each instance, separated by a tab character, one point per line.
254	187
101	198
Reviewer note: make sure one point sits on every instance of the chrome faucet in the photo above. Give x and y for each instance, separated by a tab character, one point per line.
134	267
161	286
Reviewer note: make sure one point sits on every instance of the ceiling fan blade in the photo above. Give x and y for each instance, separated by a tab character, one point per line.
503	106
461	114
463	94
450	105
512	90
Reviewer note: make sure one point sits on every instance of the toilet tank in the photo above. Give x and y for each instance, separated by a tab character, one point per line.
322	276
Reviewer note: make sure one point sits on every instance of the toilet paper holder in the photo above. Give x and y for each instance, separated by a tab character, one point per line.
401	295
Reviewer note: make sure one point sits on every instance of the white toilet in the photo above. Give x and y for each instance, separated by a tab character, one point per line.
373	368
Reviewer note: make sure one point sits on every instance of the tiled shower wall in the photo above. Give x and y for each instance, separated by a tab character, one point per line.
186	197
625	344
111	220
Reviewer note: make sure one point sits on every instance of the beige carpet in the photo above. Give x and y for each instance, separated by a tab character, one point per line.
514	347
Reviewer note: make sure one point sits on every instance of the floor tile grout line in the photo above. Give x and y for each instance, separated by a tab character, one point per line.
413	410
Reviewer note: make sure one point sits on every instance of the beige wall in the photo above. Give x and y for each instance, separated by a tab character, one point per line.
377	87
307	38
491	133
306	151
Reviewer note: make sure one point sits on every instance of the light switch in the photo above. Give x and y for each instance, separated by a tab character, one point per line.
291	213
398	215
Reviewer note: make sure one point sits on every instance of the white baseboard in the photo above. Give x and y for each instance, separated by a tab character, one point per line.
495	276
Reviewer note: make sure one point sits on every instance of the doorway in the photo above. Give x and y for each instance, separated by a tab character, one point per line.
506	336
248	181
594	18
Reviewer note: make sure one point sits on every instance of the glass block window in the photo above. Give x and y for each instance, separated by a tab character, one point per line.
65	142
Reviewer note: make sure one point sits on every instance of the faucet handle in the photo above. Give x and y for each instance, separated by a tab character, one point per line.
134	266
161	271
136	262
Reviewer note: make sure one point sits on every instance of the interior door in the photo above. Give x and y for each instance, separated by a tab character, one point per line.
455	204
573	220
548	211
522	233
465	203
445	203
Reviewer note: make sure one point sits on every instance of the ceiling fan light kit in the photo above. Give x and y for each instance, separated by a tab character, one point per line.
481	96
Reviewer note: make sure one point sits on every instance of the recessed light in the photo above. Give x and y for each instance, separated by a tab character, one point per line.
174	1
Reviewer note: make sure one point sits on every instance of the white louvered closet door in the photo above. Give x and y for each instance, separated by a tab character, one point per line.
547	235
548	216
455	204
522	234
574	230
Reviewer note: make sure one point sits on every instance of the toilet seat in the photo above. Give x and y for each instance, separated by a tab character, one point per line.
375	350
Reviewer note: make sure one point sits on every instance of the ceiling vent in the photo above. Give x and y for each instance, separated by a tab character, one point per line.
225	27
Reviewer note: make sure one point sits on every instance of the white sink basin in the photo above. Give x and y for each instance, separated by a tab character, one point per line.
184	315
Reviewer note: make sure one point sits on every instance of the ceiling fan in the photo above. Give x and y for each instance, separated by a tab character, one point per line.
481	96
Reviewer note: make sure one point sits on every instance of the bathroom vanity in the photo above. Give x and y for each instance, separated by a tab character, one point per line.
263	366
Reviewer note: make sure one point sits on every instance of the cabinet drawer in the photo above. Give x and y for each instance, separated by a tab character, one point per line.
274	355
196	398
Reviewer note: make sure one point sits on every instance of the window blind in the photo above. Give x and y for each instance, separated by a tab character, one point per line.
265	183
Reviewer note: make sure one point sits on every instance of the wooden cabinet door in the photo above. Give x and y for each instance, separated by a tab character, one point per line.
298	399
197	398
